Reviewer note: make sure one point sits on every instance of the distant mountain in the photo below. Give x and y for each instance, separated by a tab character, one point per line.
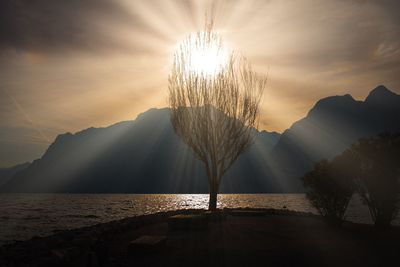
329	128
7	173
140	156
146	156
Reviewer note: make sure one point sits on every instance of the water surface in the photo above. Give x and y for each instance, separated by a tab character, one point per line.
23	216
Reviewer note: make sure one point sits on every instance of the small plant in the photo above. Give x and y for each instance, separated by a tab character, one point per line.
329	191
370	167
377	164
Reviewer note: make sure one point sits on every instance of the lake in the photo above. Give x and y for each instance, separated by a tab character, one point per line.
23	216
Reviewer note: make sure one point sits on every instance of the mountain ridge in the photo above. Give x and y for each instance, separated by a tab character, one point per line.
7	173
122	157
135	148
330	126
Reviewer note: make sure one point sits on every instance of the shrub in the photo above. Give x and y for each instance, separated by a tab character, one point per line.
377	168
329	191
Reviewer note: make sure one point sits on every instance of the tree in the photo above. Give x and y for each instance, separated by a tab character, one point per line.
329	190
377	172
214	109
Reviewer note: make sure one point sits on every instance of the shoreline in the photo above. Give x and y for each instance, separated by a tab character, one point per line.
106	244
132	219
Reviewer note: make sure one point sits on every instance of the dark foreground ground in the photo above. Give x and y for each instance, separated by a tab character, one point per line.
270	238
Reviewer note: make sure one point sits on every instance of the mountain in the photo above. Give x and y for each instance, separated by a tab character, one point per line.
7	173
140	156
146	156
329	128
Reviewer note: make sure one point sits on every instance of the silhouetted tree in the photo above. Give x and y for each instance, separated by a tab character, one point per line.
214	113
329	190
376	171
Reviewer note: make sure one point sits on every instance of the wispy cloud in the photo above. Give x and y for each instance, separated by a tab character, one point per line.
27	117
69	65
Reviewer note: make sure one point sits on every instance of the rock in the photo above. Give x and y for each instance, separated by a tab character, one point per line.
147	244
247	213
59	253
66	254
84	241
215	216
183	222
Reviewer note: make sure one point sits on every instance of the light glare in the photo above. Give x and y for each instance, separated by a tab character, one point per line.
207	60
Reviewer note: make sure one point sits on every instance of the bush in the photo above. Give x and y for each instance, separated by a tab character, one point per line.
329	191
377	168
371	167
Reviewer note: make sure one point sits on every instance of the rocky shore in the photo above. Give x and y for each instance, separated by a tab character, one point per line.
244	237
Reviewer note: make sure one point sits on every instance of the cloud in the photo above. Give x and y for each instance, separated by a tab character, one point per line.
48	25
72	64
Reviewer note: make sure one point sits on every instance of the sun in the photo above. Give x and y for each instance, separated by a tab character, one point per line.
204	54
208	58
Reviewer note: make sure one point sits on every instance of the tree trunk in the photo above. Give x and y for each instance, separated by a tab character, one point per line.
212	205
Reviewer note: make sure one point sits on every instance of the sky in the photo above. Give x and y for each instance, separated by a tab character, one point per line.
70	65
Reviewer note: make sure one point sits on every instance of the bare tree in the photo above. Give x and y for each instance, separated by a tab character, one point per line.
216	113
